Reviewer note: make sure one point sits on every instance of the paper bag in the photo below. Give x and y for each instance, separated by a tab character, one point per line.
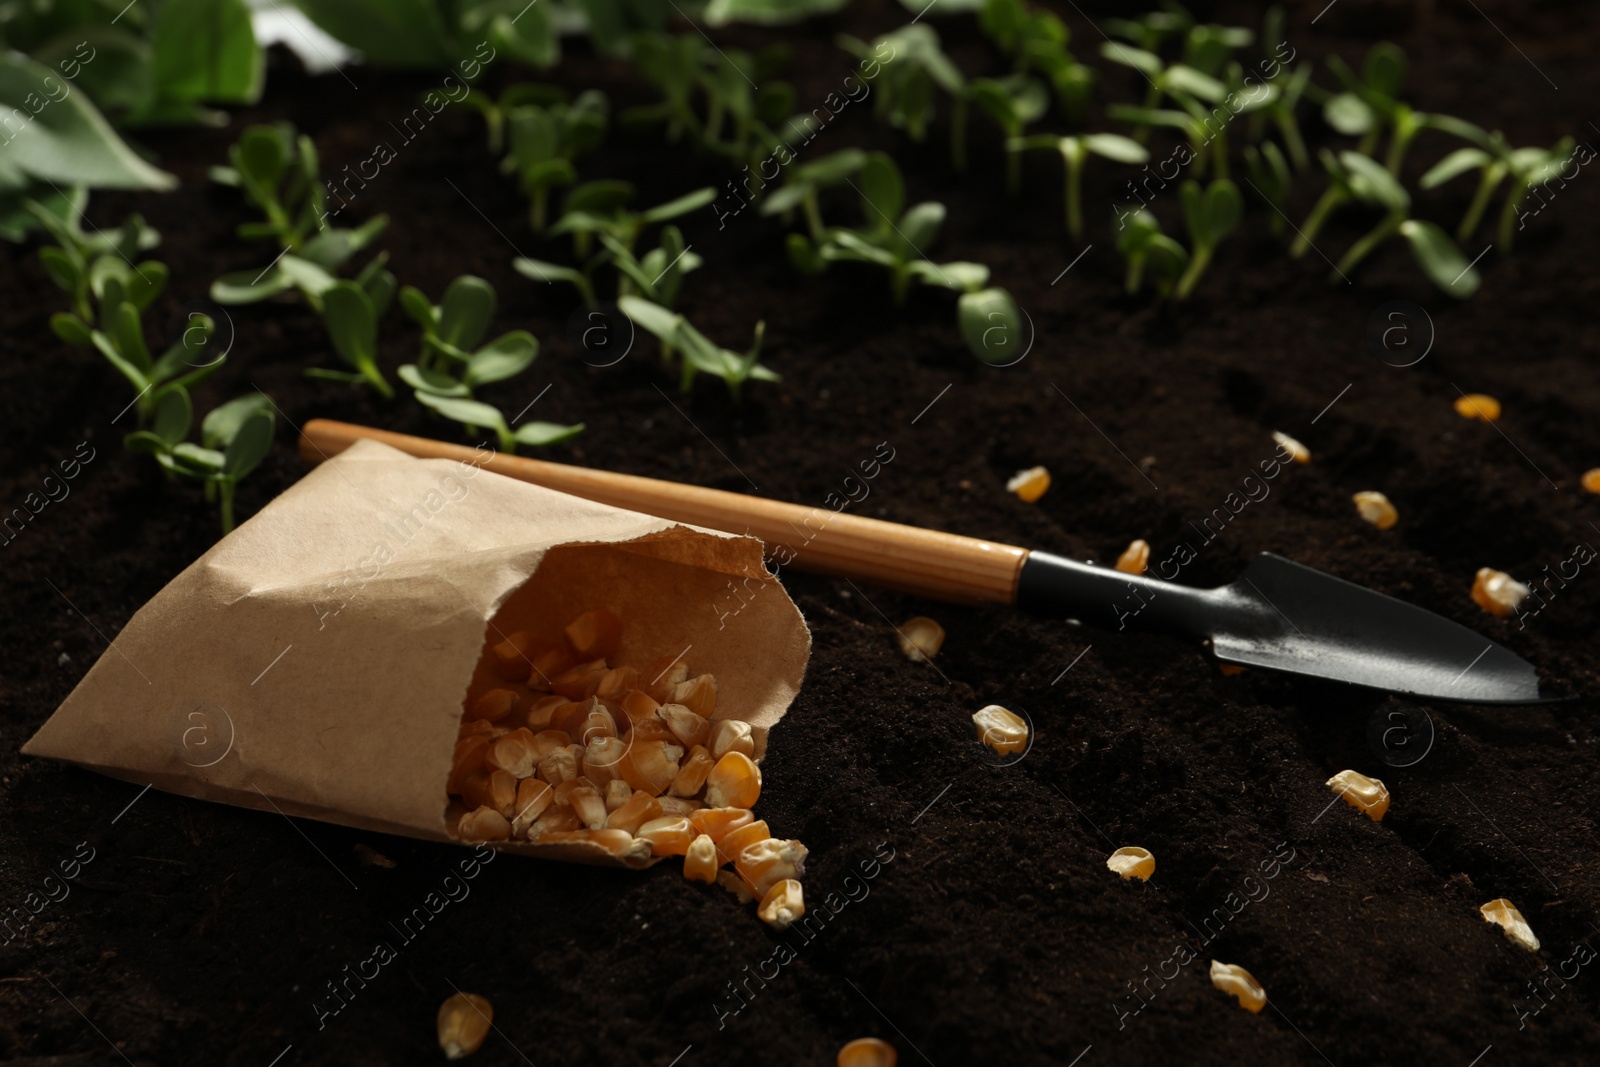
315	661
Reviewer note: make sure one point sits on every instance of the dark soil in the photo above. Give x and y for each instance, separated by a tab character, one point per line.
202	934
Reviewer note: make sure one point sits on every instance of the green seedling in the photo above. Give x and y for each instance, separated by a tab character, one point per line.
311	272
82	264
1149	252
1038	41
352	323
277	170
740	90
234	439
541	271
1270	174
659	275
893	238
475	415
453	364
600	207
1209	48
699	354
545	141
1150	30
990	323
1012	102
1074	152
1495	160
119	337
496	111
805	184
911	69
1371	100
671	63
454	326
1210	215
1293	88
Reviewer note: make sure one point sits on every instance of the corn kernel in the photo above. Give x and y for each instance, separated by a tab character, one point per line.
594	634
502	792
920	639
585	801
1505	915
638	705
1030	484
542	709
581	681
668	835
689	728
468	760
471	727
867	1052
464	1020
1375	508
533	797
598	722
1135	558
1239	984
1591	480
735	885
640	809
1362	793
548	664
1479	406
555	820
700	860
1230	670
494	705
650	766
663	677
766	863
1291	448
698	694
515	752
617	793
1002	730
732	735
717	823
483	824
1497	592
602	761
511	659
617	681
621	844
1131	861
735	782
730	844
782	904
474	790
548	741
678	805
692	772
559	766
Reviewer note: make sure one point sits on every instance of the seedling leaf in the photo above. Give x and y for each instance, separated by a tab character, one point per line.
1439	257
251	442
505	357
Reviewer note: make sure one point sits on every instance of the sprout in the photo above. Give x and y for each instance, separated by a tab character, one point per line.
1013	102
495	111
1210	215
1369	99
1148	250
696	350
1149	30
892	239
806	182
1362	178
906	79
234	438
352	323
1269	173
475	414
546	140
1038	41
659	274
599	207
671	64
990	324
120	339
1074	151
83	265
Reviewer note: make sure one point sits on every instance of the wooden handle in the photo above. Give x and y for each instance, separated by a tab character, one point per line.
942	566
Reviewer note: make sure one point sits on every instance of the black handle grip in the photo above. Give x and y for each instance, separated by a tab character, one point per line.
1114	600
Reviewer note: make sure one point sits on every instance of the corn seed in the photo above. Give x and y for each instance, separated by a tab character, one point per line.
464	1020
581	681
1030	484
782	904
515	752
1002	730
766	863
494	705
650	766
1375	508
502	792
867	1052
1131	861
731	735
602	761
1505	915
1591	480
640	809
668	835
594	634
483	824
920	639
730	844
1292	448
617	681
542	709
663	677
638	705
585	801
735	782
700	860
546	665
533	797
1239	984
717	823
735	885
555	820
692	772
559	766
1362	793
1497	592
698	694
689	728
617	793
511	658
1479	406
1135	558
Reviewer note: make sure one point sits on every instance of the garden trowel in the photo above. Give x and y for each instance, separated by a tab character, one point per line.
1279	615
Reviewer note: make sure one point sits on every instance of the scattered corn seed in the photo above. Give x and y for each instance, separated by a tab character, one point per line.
640	809
729	845
621	844
1362	793
474	791
920	639
464	1020
1131	861
717	823
515	752
483	824
668	835
735	782
1479	406
468	760
533	797
1505	915
617	793
689	728
698	694
1591	480
1375	508
1497	592
494	705
638	705
502	792
594	634
652	729
663	677
1292	448
731	735
1239	984
602	761
511	659
766	863
867	1052
560	766
1030	484
1135	558
1002	730
692	772
700	860
617	681
585	801
782	904
548	741
735	885
651	766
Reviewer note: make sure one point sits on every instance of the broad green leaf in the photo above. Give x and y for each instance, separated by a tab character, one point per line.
1349	114
1458	162
205	51
961	276
471	412
174	415
221	424
1180	78
1461	128
540	271
847	244
465	311
128	334
545	433
1129	56
333	246
144	283
421	310
653	317
505	357
919	226
70	328
193	459
432	381
145	443
249	286
1224	207
991	325
306	274
1114	146
1371	182
58	135
767	12
388	33
1384	69
784	198
60	267
1439	257
250	445
681	206
351	324
883	193
600	197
